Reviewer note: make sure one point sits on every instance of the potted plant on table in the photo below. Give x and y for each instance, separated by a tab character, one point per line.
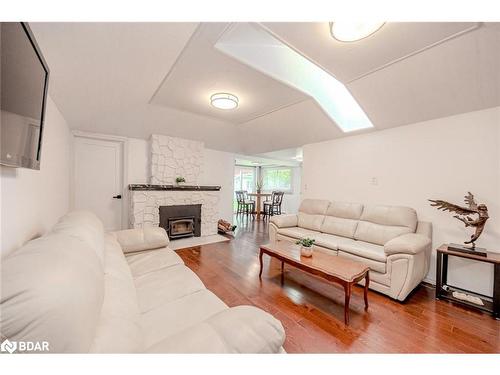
180	180
306	246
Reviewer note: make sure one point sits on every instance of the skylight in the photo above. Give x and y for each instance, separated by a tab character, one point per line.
255	47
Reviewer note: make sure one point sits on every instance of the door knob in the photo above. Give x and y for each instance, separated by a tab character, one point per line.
119	196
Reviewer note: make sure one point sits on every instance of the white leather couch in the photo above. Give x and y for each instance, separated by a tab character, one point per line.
76	289
389	239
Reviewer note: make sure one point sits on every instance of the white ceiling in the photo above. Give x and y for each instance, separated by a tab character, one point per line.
104	77
201	70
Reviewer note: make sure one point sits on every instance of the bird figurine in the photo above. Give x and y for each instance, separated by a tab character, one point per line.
464	214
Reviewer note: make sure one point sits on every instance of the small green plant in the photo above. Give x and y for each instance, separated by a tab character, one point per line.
306	242
180	179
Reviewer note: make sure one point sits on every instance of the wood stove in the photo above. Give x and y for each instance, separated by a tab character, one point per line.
181	220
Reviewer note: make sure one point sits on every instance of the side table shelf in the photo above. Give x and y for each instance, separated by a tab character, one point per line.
445	291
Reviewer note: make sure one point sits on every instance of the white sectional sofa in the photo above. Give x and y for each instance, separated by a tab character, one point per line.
389	239
75	289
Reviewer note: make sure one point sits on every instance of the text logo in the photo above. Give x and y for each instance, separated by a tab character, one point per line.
24	346
8	346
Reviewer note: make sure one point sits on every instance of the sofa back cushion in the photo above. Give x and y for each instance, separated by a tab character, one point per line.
85	226
379	224
119	329
52	290
312	213
342	219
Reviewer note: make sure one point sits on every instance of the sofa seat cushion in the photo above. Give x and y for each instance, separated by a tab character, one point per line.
373	264
153	260
364	250
329	241
119	329
241	329
297	232
165	285
170	318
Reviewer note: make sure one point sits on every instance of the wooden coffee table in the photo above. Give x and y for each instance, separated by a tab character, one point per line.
328	266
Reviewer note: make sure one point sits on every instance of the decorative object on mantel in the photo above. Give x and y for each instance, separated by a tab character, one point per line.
225	227
153	187
180	180
489	304
463	214
306	248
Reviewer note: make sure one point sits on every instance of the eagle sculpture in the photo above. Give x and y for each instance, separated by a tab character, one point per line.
464	214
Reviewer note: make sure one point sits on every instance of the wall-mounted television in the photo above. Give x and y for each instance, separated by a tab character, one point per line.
24	79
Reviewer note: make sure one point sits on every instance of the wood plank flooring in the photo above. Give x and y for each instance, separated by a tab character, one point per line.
311	309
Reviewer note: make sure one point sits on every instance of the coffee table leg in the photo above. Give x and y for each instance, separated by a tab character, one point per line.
367	283
282	273
260	261
347	290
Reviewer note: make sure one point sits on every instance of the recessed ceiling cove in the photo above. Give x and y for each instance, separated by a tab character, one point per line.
202	71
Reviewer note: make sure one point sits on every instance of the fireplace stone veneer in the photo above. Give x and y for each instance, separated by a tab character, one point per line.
170	158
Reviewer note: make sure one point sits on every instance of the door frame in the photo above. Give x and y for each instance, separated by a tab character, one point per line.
103	137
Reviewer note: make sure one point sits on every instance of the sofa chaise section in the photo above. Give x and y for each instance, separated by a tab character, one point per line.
83	290
389	239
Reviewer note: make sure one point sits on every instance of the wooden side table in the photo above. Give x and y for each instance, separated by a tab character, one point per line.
445	291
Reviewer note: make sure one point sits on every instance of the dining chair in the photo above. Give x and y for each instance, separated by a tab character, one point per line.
244	206
273	207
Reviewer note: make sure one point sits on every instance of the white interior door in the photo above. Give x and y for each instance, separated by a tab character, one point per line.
98	179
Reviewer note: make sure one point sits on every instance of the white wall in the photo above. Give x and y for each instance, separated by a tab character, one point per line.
291	202
442	158
32	201
139	169
218	169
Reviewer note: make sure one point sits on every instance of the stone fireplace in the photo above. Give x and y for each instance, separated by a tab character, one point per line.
171	158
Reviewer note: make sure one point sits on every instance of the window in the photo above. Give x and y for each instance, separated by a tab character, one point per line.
277	178
244	178
254	46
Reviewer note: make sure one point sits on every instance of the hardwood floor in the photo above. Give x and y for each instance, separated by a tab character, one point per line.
311	309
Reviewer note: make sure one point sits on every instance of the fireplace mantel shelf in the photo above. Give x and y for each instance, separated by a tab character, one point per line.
137	187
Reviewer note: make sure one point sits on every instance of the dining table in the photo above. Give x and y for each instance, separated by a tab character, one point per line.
258	203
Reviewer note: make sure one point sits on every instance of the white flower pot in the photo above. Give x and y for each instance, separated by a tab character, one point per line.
306	251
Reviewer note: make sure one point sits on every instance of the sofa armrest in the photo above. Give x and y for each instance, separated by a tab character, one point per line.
425	228
410	243
241	329
132	240
285	221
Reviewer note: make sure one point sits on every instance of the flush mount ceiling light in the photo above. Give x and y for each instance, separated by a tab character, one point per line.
224	100
353	31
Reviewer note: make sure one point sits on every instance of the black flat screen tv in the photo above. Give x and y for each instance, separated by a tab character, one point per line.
24	79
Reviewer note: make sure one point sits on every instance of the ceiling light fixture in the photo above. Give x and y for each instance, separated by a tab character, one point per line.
353	31
224	100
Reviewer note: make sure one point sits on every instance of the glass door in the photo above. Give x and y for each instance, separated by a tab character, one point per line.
244	179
